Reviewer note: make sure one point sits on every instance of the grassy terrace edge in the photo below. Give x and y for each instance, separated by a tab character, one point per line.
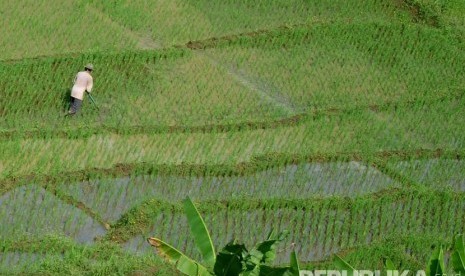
392	247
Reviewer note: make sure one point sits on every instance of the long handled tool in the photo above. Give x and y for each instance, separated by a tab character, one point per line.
92	100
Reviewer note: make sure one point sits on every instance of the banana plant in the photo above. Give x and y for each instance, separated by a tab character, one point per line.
234	259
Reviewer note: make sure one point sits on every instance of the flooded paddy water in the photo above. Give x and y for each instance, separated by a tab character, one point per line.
317	232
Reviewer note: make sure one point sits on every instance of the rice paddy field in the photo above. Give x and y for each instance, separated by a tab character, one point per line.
342	122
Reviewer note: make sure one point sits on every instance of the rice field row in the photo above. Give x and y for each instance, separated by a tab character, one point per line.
320	67
318	228
432	127
408	251
17	259
141	24
113	199
339	66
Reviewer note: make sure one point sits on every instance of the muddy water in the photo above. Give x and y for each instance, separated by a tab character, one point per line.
11	260
30	210
435	173
112	198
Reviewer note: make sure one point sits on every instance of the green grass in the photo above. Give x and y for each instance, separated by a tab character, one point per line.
407	252
38	29
447	12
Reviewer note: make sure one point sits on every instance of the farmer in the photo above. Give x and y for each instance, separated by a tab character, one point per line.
82	82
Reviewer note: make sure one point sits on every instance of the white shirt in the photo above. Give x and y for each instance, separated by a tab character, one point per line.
82	82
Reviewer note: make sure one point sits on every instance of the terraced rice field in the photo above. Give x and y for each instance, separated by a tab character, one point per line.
340	121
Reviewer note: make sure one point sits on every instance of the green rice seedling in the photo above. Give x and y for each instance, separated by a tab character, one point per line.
31	30
112	197
144	92
434	173
59	255
13	262
195	20
130	63
32	210
297	72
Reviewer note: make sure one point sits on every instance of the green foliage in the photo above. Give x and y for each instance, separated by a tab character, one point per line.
230	259
200	233
294	266
267	249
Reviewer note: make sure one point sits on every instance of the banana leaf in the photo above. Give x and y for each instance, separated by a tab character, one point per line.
343	265
199	231
177	258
